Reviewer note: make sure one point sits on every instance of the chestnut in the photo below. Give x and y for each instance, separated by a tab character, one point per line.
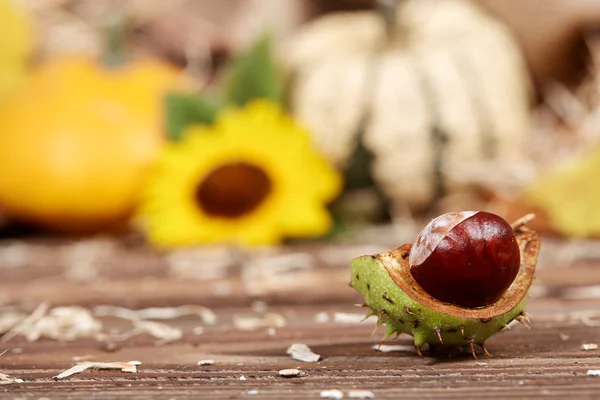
465	258
456	285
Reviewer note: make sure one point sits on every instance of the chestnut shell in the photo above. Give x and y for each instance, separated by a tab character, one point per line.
474	260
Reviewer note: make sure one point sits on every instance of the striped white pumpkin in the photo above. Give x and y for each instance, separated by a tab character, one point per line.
446	93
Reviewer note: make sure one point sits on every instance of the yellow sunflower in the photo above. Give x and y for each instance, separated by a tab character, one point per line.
251	178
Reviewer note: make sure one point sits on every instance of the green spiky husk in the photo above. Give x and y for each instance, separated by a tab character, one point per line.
401	314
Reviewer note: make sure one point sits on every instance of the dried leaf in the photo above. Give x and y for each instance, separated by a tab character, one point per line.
570	196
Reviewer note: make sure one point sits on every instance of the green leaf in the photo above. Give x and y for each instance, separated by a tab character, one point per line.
254	74
183	110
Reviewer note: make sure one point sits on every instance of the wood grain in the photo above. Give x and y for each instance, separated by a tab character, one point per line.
543	362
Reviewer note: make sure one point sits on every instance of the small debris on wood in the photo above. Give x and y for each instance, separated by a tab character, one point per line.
259	306
563	336
252	392
322	318
593	372
288	373
60	323
351	318
201	264
270	320
7	379
198	330
271	332
301	352
332	394
163	332
162	313
129	366
87	357
589	346
110	347
206	362
242	378
9	319
25	325
277	273
386	348
581	292
361	394
222	288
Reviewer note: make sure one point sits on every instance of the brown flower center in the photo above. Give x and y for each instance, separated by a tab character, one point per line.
233	190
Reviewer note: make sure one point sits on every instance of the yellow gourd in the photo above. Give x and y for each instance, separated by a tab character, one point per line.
77	138
15	45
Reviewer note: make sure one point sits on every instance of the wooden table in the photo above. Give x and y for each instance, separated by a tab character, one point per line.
299	294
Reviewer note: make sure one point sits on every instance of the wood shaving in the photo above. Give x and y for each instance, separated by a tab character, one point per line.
259	306
593	372
163	332
386	348
60	323
65	324
9	319
589	346
198	330
581	292
83	258
277	273
301	352
129	366
25	324
206	314
158	330
206	362
222	288
322	318
332	394
351	318
361	394
586	317
270	320
288	373
200	264
7	379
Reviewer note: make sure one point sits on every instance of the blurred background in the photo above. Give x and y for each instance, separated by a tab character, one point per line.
238	154
252	122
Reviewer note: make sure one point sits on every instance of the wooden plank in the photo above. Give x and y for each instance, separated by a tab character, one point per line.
546	361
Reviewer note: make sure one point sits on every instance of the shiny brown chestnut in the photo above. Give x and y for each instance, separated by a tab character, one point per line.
465	258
